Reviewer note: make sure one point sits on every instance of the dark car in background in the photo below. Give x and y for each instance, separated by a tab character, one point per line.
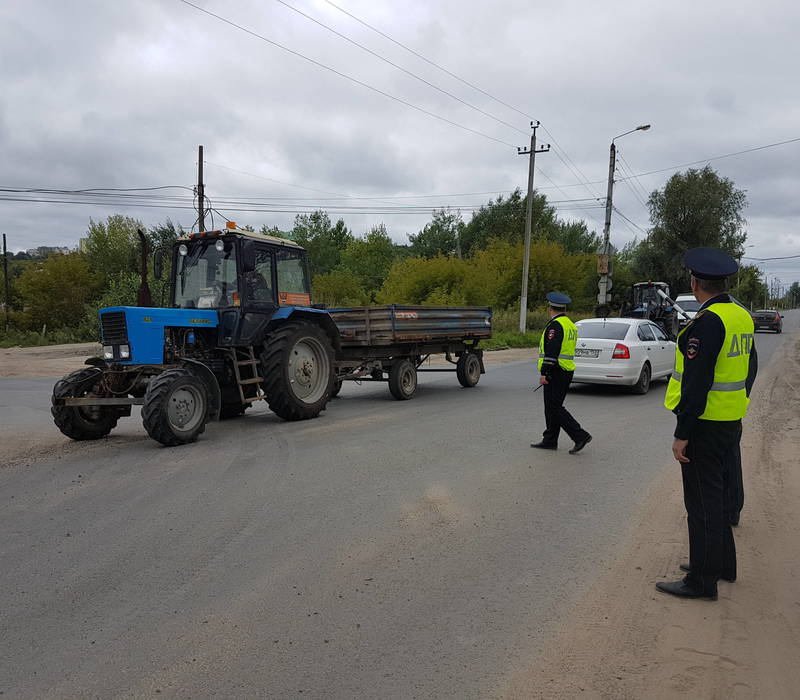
768	320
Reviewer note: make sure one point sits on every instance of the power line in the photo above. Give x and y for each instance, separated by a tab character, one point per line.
399	67
428	61
630	221
725	155
782	257
345	75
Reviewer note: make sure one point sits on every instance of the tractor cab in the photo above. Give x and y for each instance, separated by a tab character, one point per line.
236	268
646	302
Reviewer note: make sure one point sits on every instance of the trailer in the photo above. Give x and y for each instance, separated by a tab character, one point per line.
240	328
391	343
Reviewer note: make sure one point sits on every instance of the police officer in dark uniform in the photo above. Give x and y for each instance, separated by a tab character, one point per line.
556	365
715	367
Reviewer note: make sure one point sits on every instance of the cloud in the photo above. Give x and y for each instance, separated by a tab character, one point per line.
101	94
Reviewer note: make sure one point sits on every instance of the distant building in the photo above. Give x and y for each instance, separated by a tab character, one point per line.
44	250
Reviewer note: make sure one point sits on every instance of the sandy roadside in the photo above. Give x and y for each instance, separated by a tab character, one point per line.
626	640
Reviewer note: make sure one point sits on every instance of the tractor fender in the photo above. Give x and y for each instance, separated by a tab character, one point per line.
318	317
214	394
95	362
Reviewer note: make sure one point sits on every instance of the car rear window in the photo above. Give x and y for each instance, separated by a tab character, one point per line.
689	304
603	331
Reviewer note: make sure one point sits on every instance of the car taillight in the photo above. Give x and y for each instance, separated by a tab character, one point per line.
621	352
777	316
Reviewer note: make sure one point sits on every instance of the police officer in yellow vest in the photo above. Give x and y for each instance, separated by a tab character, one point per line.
556	365
715	367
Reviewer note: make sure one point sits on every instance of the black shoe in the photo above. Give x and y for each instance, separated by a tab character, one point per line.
735	520
580	444
544	445
680	589
685	567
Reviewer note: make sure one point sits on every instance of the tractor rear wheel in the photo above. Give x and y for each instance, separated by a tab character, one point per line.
82	422
175	410
297	366
468	369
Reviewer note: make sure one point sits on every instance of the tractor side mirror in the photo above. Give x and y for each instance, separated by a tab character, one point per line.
158	263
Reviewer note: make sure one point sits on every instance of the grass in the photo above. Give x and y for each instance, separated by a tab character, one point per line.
17	338
505	329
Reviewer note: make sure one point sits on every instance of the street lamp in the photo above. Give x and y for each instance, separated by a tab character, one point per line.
604	286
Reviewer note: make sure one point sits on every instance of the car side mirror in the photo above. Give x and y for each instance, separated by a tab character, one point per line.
782	316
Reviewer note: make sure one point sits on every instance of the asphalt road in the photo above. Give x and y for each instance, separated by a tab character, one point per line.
388	549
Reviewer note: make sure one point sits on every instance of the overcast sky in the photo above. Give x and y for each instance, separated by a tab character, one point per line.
103	94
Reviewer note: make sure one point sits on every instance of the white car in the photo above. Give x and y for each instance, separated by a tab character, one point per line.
624	351
690	305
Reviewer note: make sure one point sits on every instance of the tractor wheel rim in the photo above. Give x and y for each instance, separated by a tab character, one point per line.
185	408
309	370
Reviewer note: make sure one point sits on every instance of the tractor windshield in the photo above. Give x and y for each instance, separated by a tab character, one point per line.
205	276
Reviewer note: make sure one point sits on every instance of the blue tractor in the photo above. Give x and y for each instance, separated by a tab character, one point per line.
239	328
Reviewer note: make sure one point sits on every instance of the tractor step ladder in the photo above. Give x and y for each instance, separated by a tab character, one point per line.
246	358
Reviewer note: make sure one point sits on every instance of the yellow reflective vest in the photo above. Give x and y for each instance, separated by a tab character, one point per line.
566	356
727	399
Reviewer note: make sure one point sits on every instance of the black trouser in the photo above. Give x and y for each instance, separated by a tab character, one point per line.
734	496
706	488
555	415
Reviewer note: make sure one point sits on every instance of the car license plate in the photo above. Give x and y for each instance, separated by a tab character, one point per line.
580	352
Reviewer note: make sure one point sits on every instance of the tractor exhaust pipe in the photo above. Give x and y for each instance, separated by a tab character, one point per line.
143	296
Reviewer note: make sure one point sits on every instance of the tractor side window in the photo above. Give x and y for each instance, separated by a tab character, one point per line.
258	281
292	276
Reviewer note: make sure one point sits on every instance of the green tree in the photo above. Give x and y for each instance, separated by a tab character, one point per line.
504	218
323	241
441	236
339	288
113	246
748	287
370	258
695	208
574	237
793	295
57	291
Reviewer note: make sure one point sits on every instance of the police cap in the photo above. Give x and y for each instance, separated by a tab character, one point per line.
709	263
558	300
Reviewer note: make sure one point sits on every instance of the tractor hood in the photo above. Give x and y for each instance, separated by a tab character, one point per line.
138	332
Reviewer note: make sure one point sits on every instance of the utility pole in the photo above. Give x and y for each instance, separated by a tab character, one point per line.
604	254
5	272
603	263
201	192
523	302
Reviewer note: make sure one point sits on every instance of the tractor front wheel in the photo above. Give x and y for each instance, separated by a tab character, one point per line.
175	410
82	422
297	366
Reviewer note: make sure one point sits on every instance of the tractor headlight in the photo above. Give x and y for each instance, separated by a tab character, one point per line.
124	351
108	352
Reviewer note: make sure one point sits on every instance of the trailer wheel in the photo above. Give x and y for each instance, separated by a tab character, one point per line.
175	410
337	387
297	366
468	369
82	422
403	380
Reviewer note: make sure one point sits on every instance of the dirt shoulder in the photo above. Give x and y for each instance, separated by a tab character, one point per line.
58	360
626	640
46	360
